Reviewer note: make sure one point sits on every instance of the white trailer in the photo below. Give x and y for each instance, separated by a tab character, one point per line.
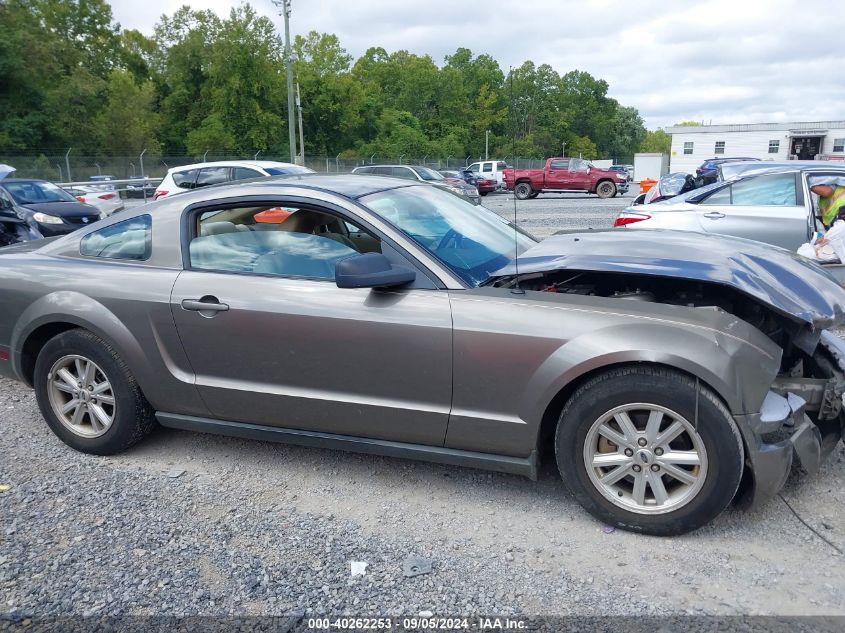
650	165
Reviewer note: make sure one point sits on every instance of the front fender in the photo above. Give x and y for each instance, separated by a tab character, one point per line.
739	367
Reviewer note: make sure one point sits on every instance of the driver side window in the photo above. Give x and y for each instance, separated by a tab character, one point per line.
280	240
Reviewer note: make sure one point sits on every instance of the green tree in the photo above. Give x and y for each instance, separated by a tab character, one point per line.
128	123
656	141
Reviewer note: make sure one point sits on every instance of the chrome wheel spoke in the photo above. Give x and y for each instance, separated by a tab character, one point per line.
652	427
101	387
613	436
78	414
685	458
88	375
627	427
102	399
615	475
684	476
70	406
610	459
655	482
674	430
99	416
68	378
639	488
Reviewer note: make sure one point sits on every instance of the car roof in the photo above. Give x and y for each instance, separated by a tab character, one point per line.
234	163
7	180
390	165
748	168
352	186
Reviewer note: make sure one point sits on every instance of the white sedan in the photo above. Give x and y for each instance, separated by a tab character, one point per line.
104	199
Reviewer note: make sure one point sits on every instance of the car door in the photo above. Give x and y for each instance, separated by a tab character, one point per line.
558	175
273	340
579	175
768	208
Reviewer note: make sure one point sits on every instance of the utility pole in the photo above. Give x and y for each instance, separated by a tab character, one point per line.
284	6
301	140
486	143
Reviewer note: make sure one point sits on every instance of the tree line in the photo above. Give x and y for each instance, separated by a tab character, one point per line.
71	77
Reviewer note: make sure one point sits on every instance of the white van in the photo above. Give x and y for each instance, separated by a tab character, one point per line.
491	169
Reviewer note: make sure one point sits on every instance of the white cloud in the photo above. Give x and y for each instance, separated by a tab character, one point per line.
724	61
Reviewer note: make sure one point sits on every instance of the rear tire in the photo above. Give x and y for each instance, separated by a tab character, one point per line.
606	189
674	468
88	396
523	191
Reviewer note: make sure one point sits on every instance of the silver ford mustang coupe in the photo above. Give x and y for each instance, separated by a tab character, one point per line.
669	373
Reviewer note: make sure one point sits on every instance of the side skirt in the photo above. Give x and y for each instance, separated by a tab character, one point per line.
525	466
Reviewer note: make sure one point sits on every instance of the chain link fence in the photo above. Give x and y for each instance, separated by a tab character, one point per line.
69	167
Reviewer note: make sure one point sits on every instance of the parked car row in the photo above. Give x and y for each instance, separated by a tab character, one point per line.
423	174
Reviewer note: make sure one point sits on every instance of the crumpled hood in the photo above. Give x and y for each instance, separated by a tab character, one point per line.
788	283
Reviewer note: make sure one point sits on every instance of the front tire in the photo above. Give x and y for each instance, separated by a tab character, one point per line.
88	396
650	450
523	191
606	189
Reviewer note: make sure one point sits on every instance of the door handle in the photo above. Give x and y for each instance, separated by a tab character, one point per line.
206	304
714	215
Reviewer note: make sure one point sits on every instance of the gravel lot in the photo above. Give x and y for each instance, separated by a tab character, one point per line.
194	524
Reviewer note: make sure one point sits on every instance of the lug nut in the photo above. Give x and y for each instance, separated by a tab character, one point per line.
655	467
642	441
658	451
629	452
637	468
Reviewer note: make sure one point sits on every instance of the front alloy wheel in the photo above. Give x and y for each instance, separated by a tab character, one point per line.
645	458
649	449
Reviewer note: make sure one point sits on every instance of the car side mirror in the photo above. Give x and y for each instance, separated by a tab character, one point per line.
371	270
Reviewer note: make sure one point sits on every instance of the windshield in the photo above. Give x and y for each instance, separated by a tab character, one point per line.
470	240
33	191
293	169
428	174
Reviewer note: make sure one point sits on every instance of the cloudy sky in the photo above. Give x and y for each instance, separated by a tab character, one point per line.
725	61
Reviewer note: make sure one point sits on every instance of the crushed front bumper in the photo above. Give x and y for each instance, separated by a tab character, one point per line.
783	434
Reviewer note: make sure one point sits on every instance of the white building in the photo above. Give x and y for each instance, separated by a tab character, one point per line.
816	140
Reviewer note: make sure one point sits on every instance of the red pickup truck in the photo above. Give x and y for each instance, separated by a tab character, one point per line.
565	174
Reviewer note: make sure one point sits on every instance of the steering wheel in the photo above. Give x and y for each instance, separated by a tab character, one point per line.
451	236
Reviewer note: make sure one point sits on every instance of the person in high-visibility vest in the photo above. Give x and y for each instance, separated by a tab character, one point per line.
831	202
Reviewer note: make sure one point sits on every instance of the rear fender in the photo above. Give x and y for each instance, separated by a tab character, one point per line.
160	376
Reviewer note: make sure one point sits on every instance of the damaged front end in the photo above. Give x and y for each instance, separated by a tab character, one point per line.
790	300
799	423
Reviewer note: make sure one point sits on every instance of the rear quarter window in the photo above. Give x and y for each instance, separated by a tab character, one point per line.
185	179
130	240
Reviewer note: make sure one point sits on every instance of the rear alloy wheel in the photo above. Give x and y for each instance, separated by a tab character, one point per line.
650	450
88	396
523	191
606	189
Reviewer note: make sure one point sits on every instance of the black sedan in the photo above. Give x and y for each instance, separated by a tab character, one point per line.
46	209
